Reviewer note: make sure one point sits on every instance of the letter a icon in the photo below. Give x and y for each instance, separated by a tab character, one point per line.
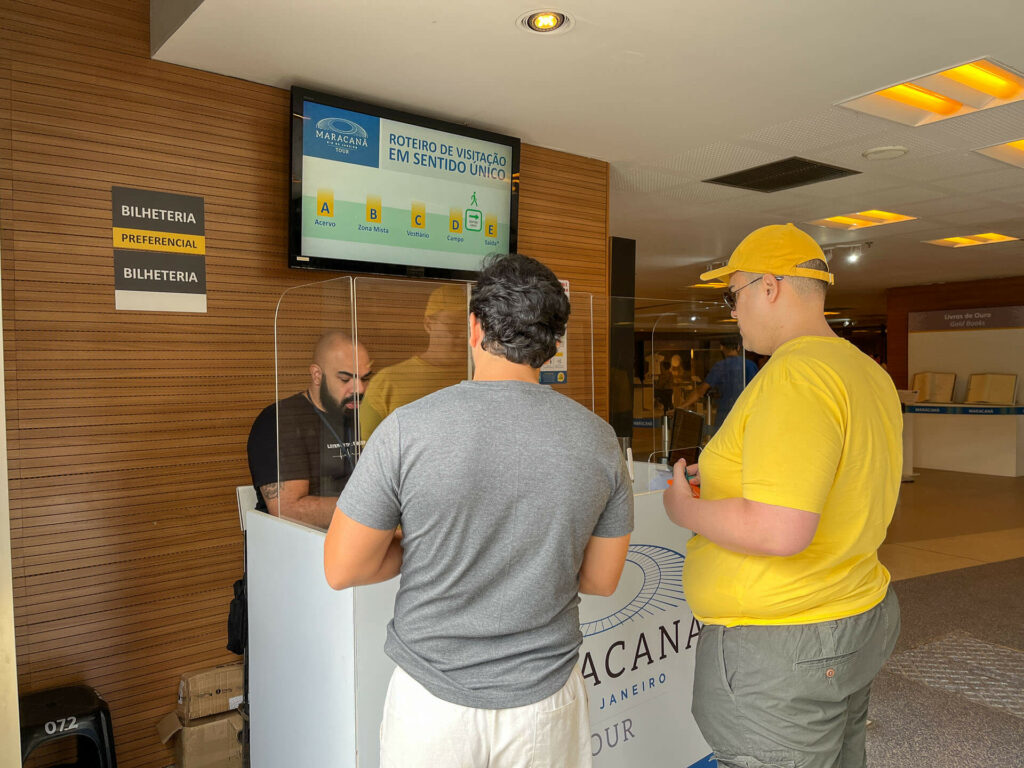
325	203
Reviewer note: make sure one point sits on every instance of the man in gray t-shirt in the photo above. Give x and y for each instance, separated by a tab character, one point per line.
512	499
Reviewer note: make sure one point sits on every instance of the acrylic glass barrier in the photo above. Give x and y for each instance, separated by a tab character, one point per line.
662	352
318	374
388	342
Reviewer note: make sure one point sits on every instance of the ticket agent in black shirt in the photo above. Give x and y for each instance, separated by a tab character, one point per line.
318	436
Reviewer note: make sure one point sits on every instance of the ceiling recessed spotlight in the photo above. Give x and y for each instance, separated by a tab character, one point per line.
884	153
545	22
693	318
853	258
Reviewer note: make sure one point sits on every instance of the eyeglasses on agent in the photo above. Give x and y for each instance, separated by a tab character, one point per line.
729	296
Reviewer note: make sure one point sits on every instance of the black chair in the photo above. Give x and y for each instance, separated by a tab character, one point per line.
61	713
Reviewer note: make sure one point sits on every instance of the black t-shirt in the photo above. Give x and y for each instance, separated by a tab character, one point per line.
312	448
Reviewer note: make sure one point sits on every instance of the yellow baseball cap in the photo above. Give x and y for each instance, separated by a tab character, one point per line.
774	250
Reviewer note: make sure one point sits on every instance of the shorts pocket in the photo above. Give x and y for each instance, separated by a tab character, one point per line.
830	662
726	665
748	761
557	738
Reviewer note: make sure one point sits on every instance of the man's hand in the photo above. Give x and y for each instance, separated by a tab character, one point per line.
679	497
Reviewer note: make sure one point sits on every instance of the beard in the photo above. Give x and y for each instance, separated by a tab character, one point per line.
338	411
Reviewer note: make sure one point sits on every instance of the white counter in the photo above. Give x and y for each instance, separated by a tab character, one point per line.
318	673
986	440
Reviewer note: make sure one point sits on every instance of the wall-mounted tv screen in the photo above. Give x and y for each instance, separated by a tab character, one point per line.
376	190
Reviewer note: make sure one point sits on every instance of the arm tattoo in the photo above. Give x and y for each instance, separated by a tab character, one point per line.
270	491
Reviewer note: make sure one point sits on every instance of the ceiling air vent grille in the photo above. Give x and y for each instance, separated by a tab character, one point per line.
782	174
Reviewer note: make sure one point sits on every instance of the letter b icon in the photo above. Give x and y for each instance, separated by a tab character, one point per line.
373	209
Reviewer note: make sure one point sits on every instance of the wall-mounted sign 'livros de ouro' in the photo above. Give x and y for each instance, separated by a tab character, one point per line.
159	243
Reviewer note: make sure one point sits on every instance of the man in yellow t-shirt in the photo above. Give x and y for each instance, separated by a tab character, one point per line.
798	487
443	363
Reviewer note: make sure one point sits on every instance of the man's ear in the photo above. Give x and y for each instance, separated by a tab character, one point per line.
770	286
315	373
476	331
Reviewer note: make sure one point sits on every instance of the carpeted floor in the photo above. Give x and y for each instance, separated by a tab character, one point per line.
920	719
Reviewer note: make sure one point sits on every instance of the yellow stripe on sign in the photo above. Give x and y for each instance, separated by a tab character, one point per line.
168	242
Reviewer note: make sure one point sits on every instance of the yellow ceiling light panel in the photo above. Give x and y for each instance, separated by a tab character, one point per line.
921	98
952	92
985	77
963	241
1011	152
861	219
886	217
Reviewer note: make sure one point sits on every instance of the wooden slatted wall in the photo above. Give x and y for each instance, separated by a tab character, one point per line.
900	302
126	430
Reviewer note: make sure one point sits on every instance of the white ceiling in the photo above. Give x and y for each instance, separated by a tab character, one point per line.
672	92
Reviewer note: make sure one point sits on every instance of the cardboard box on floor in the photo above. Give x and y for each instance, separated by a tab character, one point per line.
212	742
210	691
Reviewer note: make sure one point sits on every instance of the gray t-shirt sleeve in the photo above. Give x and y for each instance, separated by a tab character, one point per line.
617	518
371	495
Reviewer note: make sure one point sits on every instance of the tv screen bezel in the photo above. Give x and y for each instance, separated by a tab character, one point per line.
297	260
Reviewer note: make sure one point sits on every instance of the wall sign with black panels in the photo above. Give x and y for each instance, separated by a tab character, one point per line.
159	243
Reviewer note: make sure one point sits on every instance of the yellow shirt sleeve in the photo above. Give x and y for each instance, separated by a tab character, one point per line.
793	442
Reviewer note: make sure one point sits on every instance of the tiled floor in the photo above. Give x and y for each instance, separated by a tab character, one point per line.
950	520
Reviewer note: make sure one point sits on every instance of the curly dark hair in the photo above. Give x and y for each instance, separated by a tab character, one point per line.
522	308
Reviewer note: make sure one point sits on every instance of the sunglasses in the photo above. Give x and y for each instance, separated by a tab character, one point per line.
729	296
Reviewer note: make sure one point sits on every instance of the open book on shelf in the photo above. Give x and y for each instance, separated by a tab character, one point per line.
934	387
993	388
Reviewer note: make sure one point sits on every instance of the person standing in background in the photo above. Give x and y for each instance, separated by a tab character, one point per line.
728	377
443	363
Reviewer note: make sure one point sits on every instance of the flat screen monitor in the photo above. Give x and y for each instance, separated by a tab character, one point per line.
381	191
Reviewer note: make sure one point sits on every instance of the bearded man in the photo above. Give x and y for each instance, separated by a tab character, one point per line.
318	437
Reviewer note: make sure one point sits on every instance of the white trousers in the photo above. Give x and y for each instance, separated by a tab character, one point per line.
419	730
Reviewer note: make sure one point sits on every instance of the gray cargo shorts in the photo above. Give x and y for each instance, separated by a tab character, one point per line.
791	696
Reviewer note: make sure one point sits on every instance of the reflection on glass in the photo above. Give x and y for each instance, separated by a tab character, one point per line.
725	381
672	346
441	364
